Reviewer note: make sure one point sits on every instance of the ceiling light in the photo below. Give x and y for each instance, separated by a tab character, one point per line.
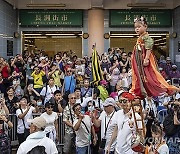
163	43
32	34
64	36
46	5
146	5
35	37
122	36
155	36
158	34
60	34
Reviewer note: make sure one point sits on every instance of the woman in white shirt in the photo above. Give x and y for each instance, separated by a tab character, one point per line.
51	122
24	113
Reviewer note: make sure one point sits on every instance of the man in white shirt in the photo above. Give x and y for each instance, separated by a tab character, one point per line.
97	102
77	92
48	91
68	119
125	125
83	128
106	121
37	138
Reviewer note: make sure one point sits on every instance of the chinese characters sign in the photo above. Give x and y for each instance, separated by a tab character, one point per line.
51	18
155	18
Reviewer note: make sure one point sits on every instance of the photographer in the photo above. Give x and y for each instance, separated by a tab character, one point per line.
177	112
24	113
106	121
5	124
171	126
38	78
11	100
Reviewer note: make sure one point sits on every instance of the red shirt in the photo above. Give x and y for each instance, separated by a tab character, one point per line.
5	73
95	128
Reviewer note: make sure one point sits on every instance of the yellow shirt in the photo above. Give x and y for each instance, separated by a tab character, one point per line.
38	82
56	76
103	93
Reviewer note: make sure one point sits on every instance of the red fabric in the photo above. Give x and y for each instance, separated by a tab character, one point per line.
152	81
127	95
5	73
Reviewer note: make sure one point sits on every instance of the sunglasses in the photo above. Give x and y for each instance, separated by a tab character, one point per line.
73	97
123	101
69	71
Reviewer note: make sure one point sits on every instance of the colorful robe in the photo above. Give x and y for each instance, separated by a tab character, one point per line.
147	80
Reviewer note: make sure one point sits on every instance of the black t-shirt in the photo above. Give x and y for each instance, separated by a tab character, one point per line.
11	104
55	108
128	65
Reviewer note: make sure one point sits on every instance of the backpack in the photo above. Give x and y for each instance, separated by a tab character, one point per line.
169	128
37	150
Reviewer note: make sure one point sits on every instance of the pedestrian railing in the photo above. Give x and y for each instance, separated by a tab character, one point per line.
13	131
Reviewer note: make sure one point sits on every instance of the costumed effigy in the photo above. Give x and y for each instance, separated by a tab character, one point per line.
146	79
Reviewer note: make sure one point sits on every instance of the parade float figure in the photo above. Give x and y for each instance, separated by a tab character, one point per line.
146	79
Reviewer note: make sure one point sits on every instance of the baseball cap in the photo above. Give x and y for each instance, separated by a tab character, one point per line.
160	68
174	66
41	58
168	58
109	101
39	122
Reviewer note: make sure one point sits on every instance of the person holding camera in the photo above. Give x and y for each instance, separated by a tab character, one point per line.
11	100
38	78
24	113
106	121
84	130
68	119
5	124
171	126
158	145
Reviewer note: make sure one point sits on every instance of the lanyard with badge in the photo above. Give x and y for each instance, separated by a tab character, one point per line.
103	141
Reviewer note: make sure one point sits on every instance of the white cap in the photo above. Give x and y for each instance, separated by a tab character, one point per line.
39	122
109	101
41	58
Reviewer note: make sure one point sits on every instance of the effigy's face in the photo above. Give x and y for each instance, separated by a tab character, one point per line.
139	28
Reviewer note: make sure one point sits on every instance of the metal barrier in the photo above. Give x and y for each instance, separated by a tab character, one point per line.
13	131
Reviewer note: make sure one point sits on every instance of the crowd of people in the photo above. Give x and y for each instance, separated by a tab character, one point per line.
96	118
129	110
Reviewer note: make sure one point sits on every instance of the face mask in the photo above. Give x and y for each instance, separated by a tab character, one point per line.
18	82
91	108
32	67
14	82
30	60
39	103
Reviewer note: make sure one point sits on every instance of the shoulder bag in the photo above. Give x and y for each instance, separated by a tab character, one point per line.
26	131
